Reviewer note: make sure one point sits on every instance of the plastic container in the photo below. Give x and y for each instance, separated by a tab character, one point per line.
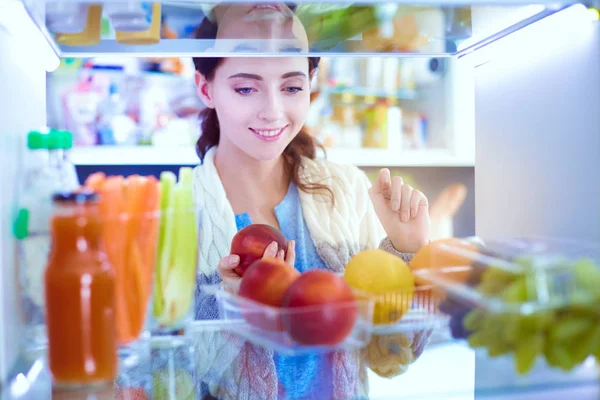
420	311
175	273
525	298
248	318
90	35
129	16
32	230
129	31
60	142
173	367
66	17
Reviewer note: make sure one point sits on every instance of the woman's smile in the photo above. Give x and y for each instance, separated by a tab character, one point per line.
268	134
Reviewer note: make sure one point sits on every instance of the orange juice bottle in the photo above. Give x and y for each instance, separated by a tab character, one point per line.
80	296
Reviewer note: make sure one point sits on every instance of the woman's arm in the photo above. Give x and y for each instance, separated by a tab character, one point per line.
388	355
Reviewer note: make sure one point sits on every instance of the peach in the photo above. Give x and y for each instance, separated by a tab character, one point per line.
321	309
265	282
251	242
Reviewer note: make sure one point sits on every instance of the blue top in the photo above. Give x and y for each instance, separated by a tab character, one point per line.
292	225
297	375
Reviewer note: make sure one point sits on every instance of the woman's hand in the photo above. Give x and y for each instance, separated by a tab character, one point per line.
402	210
226	266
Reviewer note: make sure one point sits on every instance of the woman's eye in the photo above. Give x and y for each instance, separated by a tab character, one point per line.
244	90
293	89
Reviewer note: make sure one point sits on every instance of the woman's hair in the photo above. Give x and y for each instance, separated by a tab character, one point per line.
303	145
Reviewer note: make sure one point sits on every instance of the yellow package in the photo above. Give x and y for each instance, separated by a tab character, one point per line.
90	35
147	37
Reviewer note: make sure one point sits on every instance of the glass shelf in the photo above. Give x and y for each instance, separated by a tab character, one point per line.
402	94
325	28
445	370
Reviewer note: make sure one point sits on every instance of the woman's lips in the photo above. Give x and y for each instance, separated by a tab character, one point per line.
270	7
268	135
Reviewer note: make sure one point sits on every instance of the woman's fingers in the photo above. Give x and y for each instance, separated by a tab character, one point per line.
271	250
417	199
396	193
405	202
290	257
226	266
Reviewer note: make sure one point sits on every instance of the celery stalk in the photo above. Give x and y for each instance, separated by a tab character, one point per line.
167	183
179	286
186	177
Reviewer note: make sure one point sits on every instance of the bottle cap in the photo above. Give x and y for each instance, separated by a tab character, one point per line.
53	139
65	140
37	140
21	225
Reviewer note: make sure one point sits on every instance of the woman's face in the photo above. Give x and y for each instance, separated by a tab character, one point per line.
261	103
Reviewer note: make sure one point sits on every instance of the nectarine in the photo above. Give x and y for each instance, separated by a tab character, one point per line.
435	256
265	282
251	242
321	309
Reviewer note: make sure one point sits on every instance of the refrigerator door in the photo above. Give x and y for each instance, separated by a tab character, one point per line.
22	108
538	162
537	111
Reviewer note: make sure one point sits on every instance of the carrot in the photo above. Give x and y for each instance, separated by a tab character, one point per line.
95	181
134	206
111	207
135	294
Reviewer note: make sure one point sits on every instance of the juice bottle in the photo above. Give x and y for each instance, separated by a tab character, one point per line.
80	296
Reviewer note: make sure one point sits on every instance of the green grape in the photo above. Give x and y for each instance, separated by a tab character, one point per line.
493	326
510	328
527	351
568	328
582	310
498	348
585	344
587	275
557	355
494	280
477	339
516	292
535	323
596	353
473	320
527	262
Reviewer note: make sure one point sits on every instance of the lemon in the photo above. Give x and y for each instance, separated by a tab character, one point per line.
385	276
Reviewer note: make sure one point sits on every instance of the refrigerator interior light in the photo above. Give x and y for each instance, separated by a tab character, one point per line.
34	46
488	20
594	14
578	21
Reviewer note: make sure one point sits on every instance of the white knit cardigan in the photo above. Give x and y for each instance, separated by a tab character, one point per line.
338	231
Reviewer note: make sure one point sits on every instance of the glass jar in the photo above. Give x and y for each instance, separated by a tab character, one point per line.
80	296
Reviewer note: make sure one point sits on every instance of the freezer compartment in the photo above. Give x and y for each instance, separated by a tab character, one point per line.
532	298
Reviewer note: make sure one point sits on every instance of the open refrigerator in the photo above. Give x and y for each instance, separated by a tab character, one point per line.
536	68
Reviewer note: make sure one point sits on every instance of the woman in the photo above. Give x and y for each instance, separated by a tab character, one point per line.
259	166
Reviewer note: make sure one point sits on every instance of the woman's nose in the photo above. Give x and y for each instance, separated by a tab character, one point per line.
272	110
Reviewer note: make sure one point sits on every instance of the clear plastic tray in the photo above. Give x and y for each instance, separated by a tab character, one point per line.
249	319
529	298
558	272
421	314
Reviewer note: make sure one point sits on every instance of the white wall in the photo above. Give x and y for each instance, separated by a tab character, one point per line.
22	107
